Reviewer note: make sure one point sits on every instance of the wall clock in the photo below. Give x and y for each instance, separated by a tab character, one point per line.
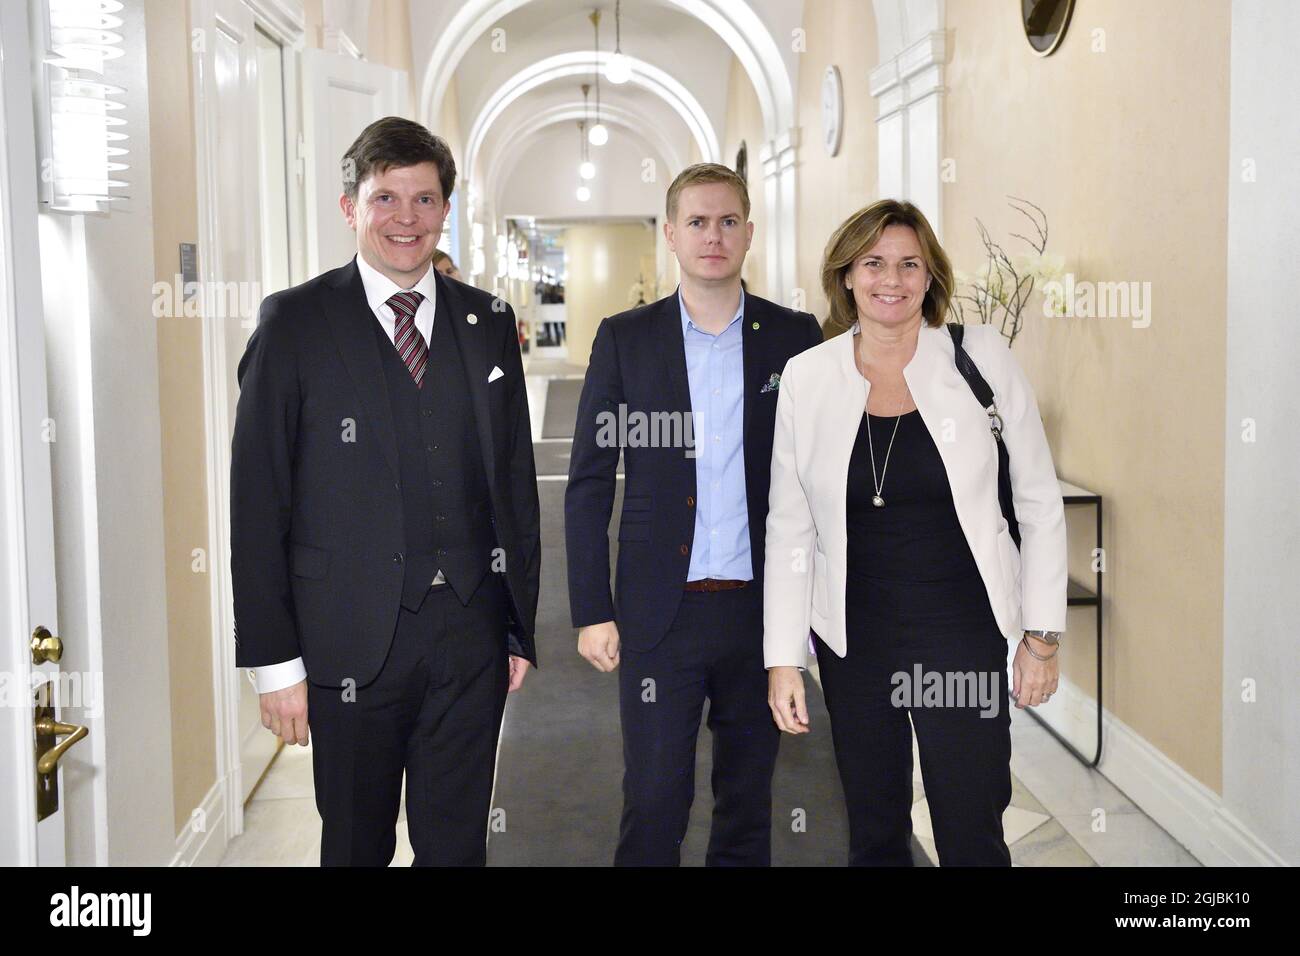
832	110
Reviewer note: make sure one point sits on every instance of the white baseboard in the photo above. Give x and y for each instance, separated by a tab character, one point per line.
1191	812
202	841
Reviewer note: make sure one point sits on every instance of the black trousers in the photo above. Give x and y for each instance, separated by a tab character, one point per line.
434	712
965	748
713	649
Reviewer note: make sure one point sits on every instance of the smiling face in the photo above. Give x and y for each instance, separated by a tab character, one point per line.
889	280
398	217
709	234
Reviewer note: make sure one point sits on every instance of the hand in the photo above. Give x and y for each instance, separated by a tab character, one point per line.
1034	681
284	713
518	671
785	697
598	643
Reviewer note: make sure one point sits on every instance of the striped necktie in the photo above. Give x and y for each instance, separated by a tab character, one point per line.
406	337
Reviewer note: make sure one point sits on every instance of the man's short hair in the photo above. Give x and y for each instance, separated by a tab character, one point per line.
701	174
392	142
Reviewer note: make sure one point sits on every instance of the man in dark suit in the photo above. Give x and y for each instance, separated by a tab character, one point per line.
384	519
686	388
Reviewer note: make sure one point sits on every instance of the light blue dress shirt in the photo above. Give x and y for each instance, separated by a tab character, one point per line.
715	368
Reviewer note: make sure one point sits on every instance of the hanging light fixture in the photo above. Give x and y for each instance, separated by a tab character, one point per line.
618	70
84	132
586	168
597	135
583	193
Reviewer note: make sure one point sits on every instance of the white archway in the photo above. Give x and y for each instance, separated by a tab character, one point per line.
503	162
734	21
583	63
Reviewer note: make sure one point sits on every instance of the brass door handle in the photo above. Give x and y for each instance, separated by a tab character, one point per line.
45	646
49	727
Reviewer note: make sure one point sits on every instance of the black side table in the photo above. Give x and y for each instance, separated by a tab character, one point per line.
1079	595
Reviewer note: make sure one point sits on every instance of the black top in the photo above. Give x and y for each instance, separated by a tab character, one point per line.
909	564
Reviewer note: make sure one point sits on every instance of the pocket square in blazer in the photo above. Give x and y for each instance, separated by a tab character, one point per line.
496	373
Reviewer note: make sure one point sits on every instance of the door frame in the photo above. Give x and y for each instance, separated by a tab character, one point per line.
283	21
26	478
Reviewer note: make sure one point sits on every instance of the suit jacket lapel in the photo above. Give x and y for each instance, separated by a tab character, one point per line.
470	341
752	347
352	324
669	321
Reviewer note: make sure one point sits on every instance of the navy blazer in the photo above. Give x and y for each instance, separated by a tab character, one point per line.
316	520
638	363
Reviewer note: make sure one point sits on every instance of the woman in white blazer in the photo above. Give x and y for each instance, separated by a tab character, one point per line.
886	539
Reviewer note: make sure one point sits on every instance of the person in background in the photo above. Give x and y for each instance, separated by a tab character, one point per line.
444	264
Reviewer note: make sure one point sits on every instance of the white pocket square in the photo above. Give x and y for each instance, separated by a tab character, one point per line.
496	373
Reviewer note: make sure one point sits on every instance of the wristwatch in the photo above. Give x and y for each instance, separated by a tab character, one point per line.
1047	637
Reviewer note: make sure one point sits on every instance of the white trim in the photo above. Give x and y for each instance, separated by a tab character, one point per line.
1191	812
282	20
780	184
336	40
20	290
208	846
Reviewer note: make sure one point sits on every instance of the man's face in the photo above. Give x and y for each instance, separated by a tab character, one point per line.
709	234
398	217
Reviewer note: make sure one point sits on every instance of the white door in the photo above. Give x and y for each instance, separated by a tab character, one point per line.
244	138
341	97
27	584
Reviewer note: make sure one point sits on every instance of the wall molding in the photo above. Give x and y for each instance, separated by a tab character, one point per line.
205	845
908	89
1191	812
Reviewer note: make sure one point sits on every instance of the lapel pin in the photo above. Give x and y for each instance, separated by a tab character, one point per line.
754	326
472	319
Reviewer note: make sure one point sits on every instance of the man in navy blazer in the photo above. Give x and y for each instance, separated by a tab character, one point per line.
384	519
685	388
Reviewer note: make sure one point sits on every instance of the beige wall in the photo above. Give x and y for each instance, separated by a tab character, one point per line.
745	122
180	388
830	188
603	262
1127	151
389	43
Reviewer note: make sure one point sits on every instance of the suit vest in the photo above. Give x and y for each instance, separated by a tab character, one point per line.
446	508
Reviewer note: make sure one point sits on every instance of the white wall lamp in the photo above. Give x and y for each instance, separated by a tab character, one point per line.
81	137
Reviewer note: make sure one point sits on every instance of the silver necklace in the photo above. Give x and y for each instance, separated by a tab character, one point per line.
876	499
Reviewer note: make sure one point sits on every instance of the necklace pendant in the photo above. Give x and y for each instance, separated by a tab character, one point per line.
878	501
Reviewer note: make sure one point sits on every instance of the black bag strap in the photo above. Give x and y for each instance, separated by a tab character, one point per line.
984	395
966	365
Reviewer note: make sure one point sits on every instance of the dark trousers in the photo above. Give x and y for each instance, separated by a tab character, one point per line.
434	712
713	649
965	757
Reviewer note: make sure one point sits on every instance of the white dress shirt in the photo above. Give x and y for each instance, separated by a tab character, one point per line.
379	289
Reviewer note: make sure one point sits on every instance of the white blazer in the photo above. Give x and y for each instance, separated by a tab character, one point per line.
819	407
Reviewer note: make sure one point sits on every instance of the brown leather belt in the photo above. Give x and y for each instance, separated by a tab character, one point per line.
715	584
